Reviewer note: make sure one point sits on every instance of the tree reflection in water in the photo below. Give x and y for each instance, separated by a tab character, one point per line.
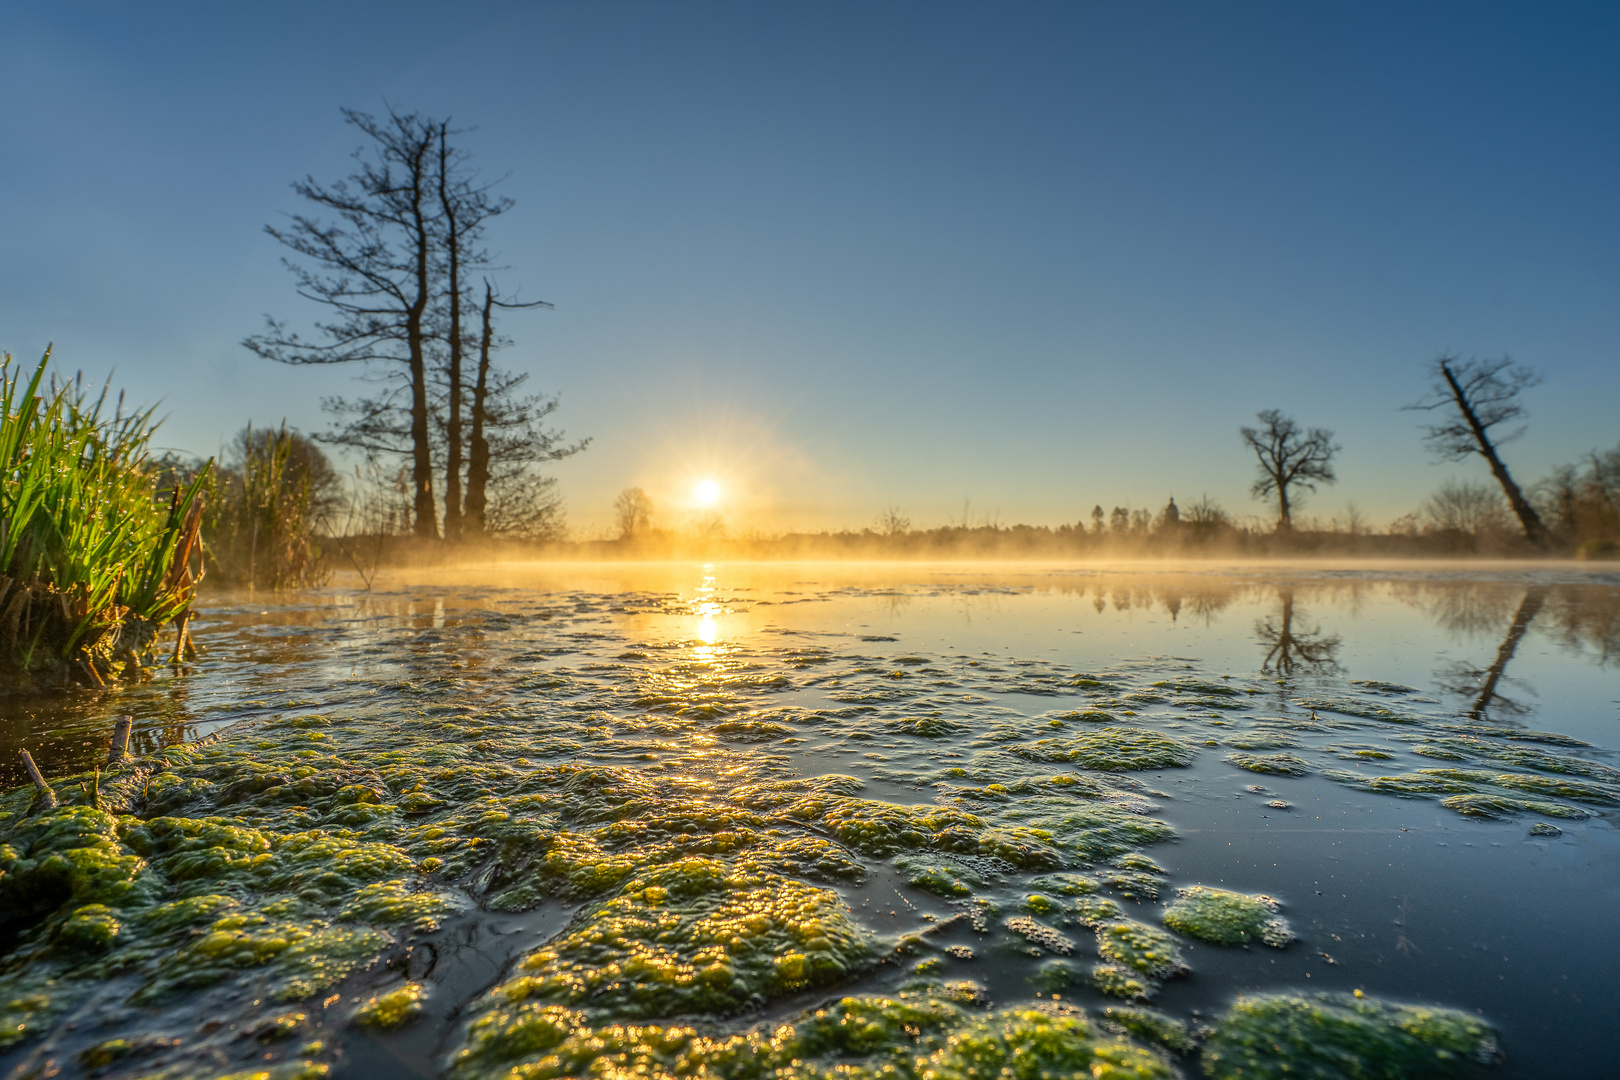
1290	650
1481	686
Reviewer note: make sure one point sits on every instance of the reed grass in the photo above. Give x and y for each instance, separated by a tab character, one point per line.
93	559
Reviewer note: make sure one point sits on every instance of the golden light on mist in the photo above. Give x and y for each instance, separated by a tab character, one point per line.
707	493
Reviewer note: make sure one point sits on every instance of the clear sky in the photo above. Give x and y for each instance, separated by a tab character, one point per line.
845	255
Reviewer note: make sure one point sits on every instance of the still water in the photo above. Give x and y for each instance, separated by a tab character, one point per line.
1301	692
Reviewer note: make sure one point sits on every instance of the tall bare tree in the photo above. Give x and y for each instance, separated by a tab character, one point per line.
1290	458
373	269
509	438
465	204
1485	394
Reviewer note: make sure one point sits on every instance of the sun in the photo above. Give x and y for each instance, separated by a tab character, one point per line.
707	492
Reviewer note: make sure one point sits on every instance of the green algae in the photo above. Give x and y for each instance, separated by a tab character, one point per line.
1480	793
23	1014
72	850
1367	710
1117	980
393	1009
1038	904
1262	740
938	877
1114	749
1498	806
92	928
1093	911
1066	884
1144	949
1272	1037
1226	918
911	1036
1194	686
1055	975
187	912
695	937
1283	764
1041	935
1152	1026
393	903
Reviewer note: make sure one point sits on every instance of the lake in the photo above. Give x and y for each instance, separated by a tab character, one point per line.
970	781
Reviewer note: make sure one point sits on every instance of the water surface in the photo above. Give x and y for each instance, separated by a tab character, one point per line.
922	681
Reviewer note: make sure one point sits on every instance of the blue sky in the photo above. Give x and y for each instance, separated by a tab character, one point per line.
1029	257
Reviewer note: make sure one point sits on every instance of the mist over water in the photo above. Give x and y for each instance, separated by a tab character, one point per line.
1296	690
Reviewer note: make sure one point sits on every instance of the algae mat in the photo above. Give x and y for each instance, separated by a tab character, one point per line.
799	826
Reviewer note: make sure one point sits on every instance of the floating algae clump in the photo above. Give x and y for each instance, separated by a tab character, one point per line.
393	1009
1066	884
1028	1044
1041	934
1142	948
1283	764
1093	911
907	1037
1153	1027
1501	806
1284	1036
1227	918
1474	792
938	876
694	937
93	928
1119	981
390	903
1113	749
72	853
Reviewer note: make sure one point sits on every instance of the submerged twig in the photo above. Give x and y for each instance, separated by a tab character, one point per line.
119	749
46	797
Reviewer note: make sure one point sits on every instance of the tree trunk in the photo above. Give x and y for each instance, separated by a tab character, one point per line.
478	463
1529	520
421	448
452	464
1285	517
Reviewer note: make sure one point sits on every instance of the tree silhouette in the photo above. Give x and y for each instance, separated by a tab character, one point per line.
373	268
632	510
1289	458
1485	394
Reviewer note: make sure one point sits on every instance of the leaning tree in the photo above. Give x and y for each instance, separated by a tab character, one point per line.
1289	459
1485	394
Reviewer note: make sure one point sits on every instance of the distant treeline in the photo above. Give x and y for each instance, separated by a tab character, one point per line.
1577	503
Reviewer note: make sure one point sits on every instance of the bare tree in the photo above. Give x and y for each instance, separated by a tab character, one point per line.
1290	458
1472	508
893	522
632	510
464	205
373	270
1485	394
509	438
